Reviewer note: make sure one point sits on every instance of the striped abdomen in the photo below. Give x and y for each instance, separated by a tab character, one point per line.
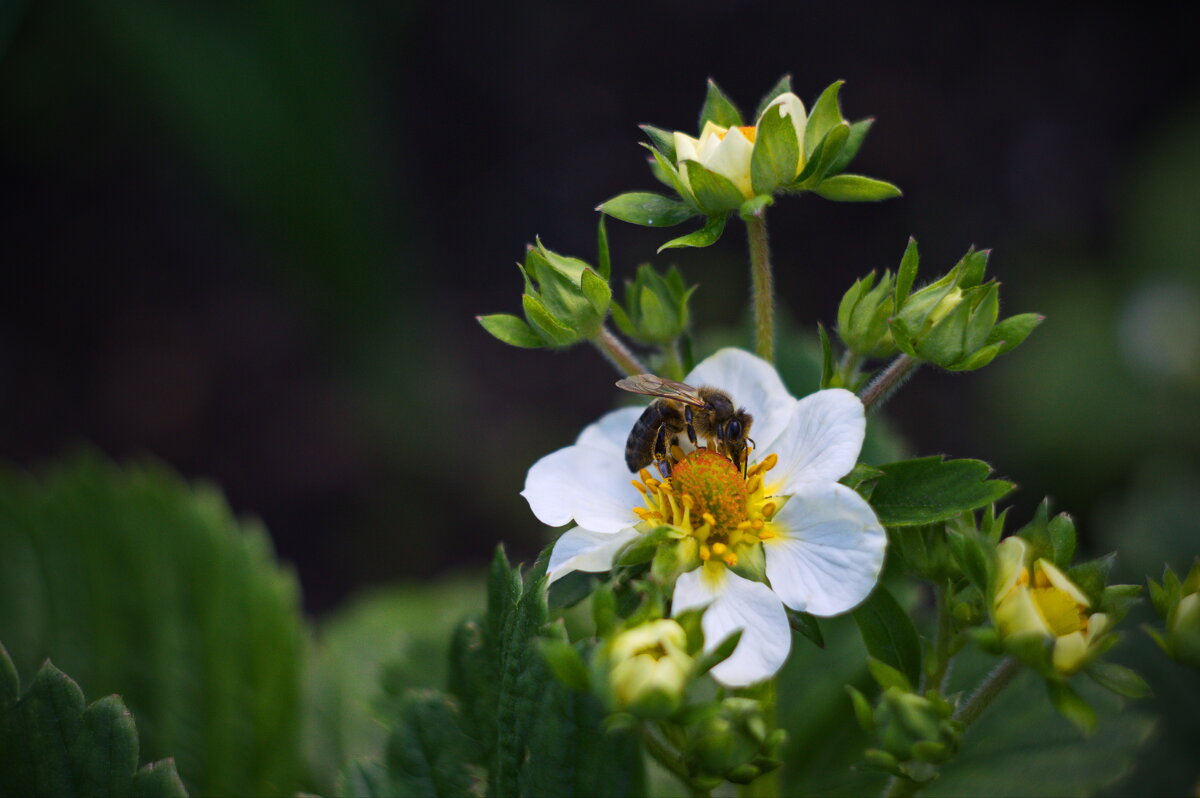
639	447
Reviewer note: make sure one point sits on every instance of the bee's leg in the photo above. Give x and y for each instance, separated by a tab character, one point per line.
722	448
746	456
691	429
660	452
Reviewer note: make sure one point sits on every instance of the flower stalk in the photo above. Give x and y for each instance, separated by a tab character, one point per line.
883	386
617	353
672	763
763	285
986	692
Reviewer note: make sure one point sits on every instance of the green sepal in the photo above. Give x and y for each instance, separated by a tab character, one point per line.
566	663
825	115
776	152
714	193
1072	706
718	108
647	209
944	344
862	478
1061	532
931	489
1011	332
902	336
822	159
906	274
783	86
888	677
658	319
642	548
856	188
806	625
754	207
603	255
889	634
983	318
969	554
723	651
706	236
854	142
672	174
546	325
624	323
1119	679
977	360
597	292
827	368
512	330
604	610
1092	576
663	140
862	709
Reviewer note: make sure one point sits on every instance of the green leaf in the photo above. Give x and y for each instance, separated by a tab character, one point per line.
647	209
715	193
889	634
188	616
51	745
1072	706
512	330
776	152
603	256
855	188
566	663
663	140
907	273
718	108
930	489
704	237
428	754
783	86
854	142
807	625
826	114
551	329
1119	679
862	710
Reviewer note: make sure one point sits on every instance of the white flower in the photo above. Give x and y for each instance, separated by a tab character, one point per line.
822	544
727	151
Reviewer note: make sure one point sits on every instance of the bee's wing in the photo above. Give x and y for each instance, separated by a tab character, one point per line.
656	386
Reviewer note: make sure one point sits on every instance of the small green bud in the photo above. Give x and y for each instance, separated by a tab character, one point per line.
1178	602
565	302
863	317
913	727
732	739
656	306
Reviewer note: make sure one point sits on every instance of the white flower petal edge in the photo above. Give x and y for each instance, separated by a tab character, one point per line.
580	549
791	106
736	603
588	481
828	552
752	383
731	159
821	441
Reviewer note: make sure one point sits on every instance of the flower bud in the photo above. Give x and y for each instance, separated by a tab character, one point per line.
649	667
731	740
1179	605
911	726
656	307
863	317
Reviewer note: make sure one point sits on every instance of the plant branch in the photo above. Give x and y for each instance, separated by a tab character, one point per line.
763	283
891	378
986	692
617	353
670	761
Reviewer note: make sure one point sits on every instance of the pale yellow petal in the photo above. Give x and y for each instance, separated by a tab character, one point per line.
1010	562
1060	581
1070	652
731	158
1017	614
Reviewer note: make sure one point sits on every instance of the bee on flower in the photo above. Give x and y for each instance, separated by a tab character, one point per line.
781	532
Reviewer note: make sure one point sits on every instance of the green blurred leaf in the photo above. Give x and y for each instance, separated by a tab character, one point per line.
1072	706
512	330
140	584
704	237
889	634
1119	679
648	209
428	754
718	108
51	745
856	188
931	489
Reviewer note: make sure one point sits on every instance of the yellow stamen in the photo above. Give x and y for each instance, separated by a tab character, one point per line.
709	519
770	462
768	510
705	553
766	534
756	524
731	559
640	487
719	548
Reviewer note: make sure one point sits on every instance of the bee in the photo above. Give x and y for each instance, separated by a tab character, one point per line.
700	412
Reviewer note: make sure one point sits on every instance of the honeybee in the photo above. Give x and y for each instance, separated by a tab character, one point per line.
700	412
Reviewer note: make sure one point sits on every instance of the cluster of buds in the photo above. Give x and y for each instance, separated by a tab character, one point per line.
734	166
565	300
730	740
914	732
656	306
951	323
1178	603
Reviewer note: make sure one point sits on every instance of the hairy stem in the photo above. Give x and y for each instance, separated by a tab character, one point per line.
848	368
670	761
767	785
617	353
941	646
891	378
986	692
764	287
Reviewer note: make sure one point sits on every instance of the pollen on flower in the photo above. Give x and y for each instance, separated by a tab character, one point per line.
708	498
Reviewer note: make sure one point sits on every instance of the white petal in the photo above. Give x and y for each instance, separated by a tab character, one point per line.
580	549
736	603
587	482
828	552
710	139
1010	564
685	147
792	106
752	383
731	158
821	442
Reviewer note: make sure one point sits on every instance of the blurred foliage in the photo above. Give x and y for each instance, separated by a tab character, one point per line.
52	745
138	584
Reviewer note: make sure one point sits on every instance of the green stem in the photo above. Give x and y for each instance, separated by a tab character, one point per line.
670	761
848	368
986	692
764	287
617	353
888	381
942	642
767	785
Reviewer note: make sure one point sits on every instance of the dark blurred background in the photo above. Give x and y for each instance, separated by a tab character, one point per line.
250	239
